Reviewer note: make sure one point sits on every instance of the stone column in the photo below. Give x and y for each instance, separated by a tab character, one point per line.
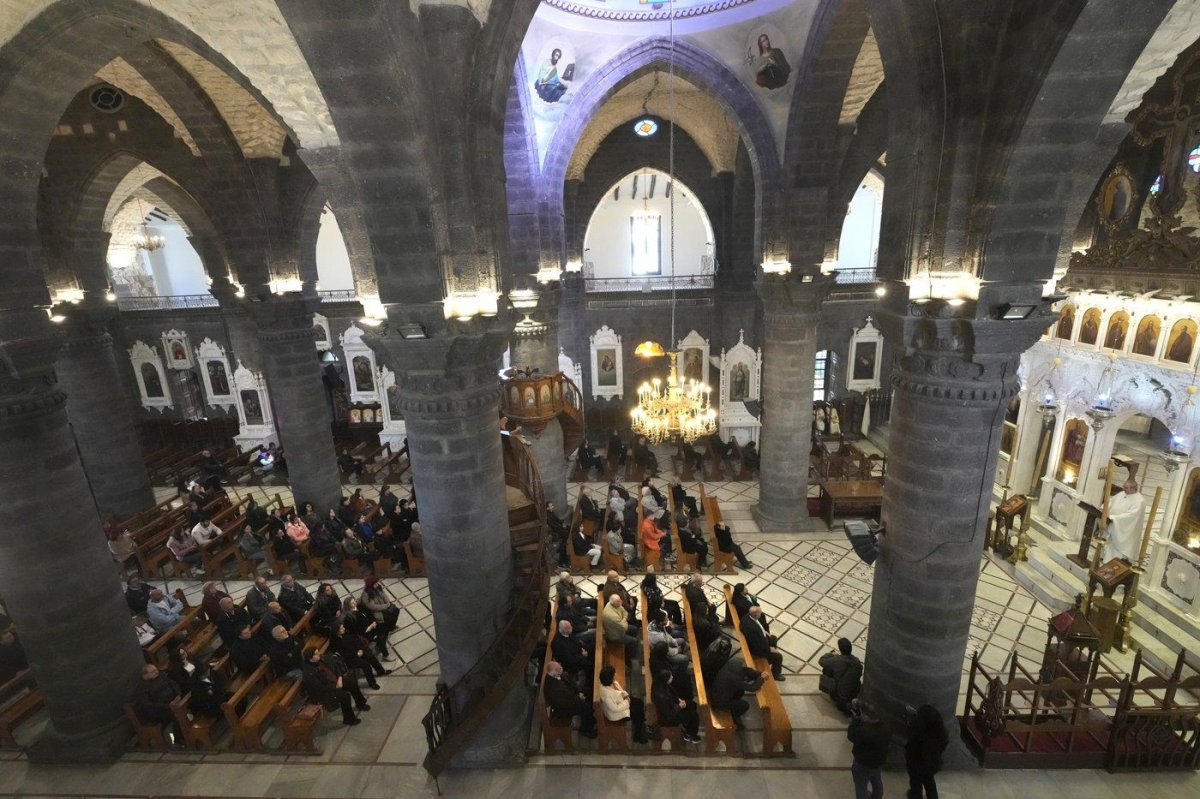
955	377
100	414
59	583
791	312
450	396
293	372
535	346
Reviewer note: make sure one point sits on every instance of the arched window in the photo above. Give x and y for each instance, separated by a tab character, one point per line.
858	247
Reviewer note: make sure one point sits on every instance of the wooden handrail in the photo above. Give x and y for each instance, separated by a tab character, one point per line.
457	711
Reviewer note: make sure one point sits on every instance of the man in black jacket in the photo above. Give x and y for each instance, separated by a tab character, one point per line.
846	671
230	620
588	507
153	697
284	652
247	650
258	598
274	617
760	642
574	656
564	701
294	597
725	544
871	739
732	682
137	595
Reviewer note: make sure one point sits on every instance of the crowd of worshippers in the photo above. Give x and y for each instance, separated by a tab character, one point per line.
618	529
259	630
726	676
644	458
349	530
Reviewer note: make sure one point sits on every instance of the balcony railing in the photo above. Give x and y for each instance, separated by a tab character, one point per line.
613	285
182	301
168	303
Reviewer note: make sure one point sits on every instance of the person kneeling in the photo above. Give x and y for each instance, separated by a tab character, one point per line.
841	675
618	705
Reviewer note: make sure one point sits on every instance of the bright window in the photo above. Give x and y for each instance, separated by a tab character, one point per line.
819	376
645	239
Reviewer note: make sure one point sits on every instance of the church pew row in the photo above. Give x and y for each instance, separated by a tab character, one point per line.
722	562
19	700
718	724
554	731
604	654
673	735
686	561
777	727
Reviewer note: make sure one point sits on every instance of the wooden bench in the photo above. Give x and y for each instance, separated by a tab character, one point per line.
261	694
298	725
197	730
416	563
718	724
554	730
150	737
672	734
20	701
777	727
686	561
722	561
610	561
609	732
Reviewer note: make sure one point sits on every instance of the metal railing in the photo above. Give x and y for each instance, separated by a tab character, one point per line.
342	295
861	275
613	285
167	303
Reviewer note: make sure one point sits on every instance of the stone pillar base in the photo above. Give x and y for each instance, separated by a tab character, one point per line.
105	745
772	521
503	738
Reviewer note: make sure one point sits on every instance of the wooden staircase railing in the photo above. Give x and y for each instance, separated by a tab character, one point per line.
571	417
458	710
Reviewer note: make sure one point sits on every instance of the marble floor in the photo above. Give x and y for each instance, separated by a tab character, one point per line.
811	584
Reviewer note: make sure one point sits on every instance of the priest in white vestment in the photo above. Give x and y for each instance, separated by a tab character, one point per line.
1125	522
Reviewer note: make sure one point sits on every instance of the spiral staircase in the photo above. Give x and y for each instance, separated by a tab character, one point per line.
459	710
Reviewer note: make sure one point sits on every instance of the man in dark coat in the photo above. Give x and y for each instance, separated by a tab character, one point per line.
564	701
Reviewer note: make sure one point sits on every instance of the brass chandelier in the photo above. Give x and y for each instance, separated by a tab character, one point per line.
680	408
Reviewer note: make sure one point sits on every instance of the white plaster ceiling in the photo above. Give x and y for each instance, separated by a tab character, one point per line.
694	110
253	35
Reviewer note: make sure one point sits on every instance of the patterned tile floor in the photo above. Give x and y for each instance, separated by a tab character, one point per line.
811	584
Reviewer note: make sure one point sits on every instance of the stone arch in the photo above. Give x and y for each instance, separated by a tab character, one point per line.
702	70
273	64
1051	171
812	142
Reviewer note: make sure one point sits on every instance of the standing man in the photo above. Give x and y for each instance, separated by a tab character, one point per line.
870	738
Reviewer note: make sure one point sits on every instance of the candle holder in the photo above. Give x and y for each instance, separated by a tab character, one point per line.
1128	603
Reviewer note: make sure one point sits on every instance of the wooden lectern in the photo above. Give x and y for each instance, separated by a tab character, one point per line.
1007	513
1105	612
1090	525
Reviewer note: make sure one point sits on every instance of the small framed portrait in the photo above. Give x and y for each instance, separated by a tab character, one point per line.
1089	329
1116	198
356	415
1145	340
1181	341
179	354
1066	323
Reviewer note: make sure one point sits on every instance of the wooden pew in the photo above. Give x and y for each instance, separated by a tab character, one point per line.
722	561
197	731
686	561
608	560
777	728
672	734
261	693
609	732
20	700
718	724
150	737
554	730
298	725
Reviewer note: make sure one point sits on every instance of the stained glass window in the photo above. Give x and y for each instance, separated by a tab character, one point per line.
645	127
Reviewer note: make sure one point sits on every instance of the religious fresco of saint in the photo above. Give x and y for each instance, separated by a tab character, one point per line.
151	381
555	70
1145	341
1074	443
765	58
1118	327
1089	331
607	360
1066	323
1181	341
218	381
252	407
739	382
